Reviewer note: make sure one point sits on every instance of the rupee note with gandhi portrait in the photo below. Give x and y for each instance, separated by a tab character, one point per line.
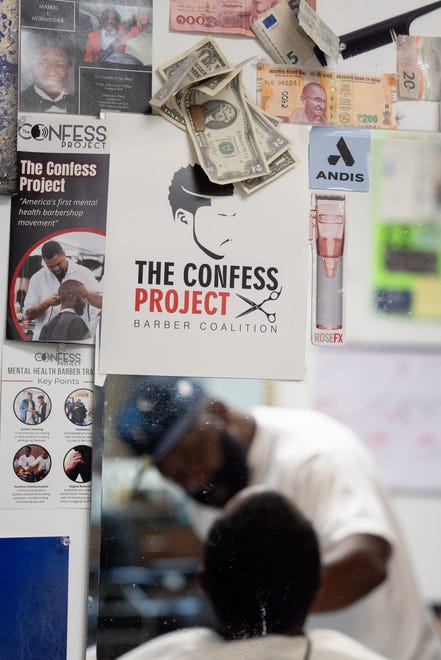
328	98
223	134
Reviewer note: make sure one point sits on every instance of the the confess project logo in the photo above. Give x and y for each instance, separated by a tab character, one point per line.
338	159
85	137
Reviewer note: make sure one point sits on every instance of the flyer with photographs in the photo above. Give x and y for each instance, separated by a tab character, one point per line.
84	57
202	279
46	431
58	221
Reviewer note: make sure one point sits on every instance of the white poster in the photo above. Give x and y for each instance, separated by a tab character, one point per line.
201	279
393	401
46	430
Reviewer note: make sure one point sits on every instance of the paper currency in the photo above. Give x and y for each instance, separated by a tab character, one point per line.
279	166
419	67
209	64
320	33
327	97
279	32
271	141
175	82
217	16
210	59
222	132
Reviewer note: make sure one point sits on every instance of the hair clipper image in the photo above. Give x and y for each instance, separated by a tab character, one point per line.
327	231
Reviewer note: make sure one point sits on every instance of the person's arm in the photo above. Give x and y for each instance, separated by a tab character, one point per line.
93	298
37	310
354	567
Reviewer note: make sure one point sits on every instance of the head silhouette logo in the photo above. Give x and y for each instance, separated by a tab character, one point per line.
344	152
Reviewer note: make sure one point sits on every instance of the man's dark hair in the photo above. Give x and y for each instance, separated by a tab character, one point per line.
109	11
50	249
262	567
67	288
192	179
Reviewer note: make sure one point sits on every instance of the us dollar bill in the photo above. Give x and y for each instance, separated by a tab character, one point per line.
175	82
223	135
272	141
210	60
283	163
207	61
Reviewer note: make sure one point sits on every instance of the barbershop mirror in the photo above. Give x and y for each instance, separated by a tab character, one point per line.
144	556
384	383
142	543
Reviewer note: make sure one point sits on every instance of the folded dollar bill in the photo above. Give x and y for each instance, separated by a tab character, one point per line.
286	161
223	134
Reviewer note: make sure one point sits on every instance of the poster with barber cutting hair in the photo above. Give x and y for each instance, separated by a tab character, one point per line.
202	279
58	222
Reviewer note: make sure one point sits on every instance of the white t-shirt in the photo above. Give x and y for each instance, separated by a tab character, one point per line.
205	644
322	466
44	284
43	463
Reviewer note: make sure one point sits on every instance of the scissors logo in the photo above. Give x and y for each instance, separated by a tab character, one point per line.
253	306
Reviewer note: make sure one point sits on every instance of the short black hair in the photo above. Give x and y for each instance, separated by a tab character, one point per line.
192	179
108	11
50	249
68	287
262	567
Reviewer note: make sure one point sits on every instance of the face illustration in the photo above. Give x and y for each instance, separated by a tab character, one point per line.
57	265
314	99
51	69
214	226
219	114
224	113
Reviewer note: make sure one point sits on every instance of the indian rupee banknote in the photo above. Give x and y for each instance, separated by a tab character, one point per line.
326	97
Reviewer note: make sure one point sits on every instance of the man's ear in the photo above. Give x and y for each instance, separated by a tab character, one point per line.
183	217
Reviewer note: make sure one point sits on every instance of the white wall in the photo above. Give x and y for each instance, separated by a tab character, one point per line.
419	515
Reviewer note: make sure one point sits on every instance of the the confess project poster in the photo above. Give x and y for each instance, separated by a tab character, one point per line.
201	280
58	220
46	435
